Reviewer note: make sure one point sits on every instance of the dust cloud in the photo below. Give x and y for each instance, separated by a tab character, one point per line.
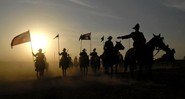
25	71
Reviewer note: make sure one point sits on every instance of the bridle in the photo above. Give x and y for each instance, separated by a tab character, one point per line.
158	49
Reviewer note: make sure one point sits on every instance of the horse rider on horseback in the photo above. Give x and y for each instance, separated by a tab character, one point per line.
94	53
94	56
139	41
64	56
83	53
64	53
40	57
109	46
84	59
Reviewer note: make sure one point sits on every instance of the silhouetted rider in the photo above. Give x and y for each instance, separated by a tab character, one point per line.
109	46
40	60
137	37
39	56
64	54
84	58
83	53
94	53
64	59
139	40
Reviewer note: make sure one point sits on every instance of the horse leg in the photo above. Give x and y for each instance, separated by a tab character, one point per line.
112	70
83	70
106	69
131	67
126	66
116	68
149	72
86	71
95	69
140	75
37	74
65	73
42	74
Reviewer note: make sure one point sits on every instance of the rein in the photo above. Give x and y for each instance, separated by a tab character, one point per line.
157	52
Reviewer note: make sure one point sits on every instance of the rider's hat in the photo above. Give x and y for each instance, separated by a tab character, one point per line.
64	49
40	49
94	49
110	37
84	49
136	26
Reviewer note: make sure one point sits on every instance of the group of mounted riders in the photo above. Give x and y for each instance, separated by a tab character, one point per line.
140	55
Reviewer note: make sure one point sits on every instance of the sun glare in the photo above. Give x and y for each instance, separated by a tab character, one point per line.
39	41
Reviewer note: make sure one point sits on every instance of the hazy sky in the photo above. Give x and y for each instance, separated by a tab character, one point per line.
71	18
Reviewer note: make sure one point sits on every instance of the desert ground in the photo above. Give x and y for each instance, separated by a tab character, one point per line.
18	81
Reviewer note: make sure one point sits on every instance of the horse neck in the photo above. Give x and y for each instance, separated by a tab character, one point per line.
116	50
151	45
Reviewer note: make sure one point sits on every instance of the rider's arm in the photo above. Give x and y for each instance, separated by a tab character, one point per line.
33	54
59	53
124	37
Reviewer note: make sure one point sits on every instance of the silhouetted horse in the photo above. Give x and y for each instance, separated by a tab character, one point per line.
112	58
64	64
84	64
40	65
95	63
146	60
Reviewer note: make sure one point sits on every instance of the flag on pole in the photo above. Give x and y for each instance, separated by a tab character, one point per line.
102	38
56	36
21	38
86	36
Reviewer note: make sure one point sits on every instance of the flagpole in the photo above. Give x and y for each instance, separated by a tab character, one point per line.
81	46
58	48
31	47
58	43
32	50
90	44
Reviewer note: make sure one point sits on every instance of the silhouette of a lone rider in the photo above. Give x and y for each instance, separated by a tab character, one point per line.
39	56
94	53
40	59
84	58
64	54
83	53
139	41
108	51
109	46
64	58
94	56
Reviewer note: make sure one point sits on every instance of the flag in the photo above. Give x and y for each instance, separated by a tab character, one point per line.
22	38
56	36
86	36
102	38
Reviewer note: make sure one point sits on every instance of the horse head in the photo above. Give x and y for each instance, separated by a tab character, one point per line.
119	46
157	42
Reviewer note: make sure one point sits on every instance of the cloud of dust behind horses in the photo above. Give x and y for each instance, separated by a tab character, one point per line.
16	71
24	71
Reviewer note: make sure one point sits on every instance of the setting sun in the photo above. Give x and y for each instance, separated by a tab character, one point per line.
39	41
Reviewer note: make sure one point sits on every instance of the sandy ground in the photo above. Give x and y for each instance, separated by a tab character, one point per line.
166	84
